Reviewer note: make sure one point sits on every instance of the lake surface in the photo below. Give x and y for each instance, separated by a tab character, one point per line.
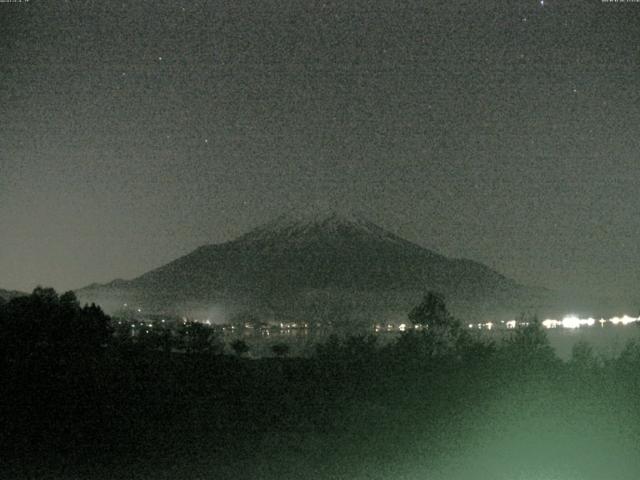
607	341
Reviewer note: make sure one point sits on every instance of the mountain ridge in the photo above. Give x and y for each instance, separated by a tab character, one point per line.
352	264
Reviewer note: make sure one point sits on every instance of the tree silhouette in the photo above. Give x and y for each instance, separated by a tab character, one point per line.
583	358
529	344
431	311
280	350
192	337
69	302
441	334
44	321
240	347
201	339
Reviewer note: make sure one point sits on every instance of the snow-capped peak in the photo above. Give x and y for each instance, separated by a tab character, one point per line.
303	225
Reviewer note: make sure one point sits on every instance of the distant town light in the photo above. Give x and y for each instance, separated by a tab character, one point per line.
570	321
627	319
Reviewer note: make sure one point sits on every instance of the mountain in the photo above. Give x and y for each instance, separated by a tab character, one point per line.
316	267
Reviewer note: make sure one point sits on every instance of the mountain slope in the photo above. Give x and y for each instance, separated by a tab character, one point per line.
298	266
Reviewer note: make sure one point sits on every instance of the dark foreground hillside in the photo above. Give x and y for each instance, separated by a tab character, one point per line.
437	406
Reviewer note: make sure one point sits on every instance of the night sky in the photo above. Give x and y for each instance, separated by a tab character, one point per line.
507	132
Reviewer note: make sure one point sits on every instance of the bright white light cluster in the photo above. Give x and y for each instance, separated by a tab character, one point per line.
624	320
551	323
569	321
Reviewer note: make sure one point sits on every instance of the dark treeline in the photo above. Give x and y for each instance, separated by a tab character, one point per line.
80	401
